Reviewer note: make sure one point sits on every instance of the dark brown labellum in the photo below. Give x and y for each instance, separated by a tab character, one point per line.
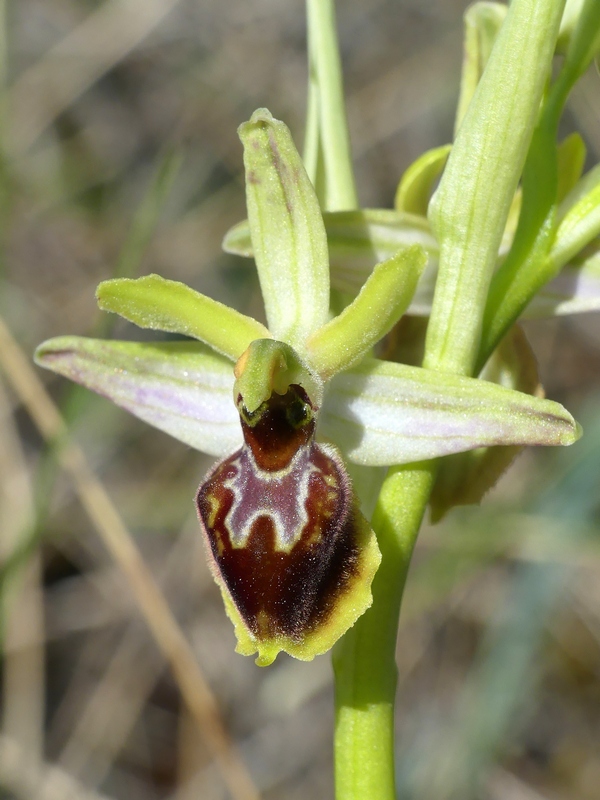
280	519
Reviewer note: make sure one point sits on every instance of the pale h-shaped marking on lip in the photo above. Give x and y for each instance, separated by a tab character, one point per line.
279	495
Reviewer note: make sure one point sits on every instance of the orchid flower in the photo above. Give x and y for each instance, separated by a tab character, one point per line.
284	404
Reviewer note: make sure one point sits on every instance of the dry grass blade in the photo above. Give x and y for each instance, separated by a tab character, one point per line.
73	65
111	709
110	526
20	598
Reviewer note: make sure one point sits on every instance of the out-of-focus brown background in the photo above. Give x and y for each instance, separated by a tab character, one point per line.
121	157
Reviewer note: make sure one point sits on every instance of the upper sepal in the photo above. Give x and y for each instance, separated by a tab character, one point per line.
286	226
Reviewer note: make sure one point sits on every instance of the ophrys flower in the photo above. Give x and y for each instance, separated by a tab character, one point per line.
292	553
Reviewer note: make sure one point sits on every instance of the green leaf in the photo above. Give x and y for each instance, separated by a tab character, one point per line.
379	305
414	189
584	42
160	304
384	413
182	388
468	212
288	236
482	23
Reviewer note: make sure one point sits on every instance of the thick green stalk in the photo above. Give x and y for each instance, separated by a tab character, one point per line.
364	661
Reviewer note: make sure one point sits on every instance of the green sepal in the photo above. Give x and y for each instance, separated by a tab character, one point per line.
288	236
374	311
181	388
382	413
350	606
161	304
482	23
465	478
269	366
415	187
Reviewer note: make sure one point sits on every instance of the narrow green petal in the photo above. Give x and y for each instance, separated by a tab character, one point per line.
160	304
381	302
288	236
575	290
182	388
415	187
384	413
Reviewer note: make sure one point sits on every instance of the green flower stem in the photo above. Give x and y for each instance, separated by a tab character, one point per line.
326	81
364	660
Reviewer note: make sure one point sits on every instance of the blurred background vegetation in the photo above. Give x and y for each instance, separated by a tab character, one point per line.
120	156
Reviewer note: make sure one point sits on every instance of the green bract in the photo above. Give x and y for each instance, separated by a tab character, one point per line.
528	266
305	372
469	210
